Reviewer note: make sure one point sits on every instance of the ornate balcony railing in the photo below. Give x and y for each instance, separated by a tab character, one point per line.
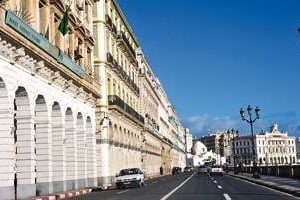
117	101
110	24
122	37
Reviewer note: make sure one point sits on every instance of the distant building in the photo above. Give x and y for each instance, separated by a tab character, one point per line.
298	150
210	141
220	143
271	148
200	155
188	141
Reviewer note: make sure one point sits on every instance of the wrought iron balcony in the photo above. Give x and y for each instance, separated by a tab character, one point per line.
122	37
110	24
124	107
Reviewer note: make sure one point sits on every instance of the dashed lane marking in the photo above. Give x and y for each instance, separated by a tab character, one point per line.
220	187
175	189
215	182
154	181
226	196
122	191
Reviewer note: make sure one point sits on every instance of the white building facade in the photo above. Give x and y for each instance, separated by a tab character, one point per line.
271	148
47	103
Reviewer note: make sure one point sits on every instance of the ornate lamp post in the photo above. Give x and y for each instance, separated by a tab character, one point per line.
251	121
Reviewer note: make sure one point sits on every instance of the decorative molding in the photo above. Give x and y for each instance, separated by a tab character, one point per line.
40	68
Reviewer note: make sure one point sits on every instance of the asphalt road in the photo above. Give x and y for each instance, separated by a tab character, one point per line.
190	187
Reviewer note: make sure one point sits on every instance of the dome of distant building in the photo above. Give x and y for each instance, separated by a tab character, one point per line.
199	148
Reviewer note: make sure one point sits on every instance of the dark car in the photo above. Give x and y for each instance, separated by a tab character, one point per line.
176	170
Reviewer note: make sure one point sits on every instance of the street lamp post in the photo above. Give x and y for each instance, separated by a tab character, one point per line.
251	121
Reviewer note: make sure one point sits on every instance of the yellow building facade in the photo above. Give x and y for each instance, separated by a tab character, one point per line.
135	106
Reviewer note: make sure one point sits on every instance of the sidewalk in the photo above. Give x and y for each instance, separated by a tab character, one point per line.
287	185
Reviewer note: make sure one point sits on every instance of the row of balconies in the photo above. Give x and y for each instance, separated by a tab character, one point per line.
110	24
121	71
114	100
121	37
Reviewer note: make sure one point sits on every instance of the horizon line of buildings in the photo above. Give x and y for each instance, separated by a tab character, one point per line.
76	109
271	148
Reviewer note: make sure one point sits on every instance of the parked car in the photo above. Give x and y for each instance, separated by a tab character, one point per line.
188	169
130	178
216	170
176	170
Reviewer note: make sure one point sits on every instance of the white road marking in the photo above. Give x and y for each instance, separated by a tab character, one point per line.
175	189
226	196
154	181
219	186
122	191
215	182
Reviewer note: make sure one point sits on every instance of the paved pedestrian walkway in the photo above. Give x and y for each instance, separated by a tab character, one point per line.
288	185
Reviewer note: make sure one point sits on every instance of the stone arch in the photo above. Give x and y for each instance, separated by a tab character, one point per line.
69	143
115	129
121	136
128	139
7	133
58	150
90	155
24	136
81	158
119	149
43	147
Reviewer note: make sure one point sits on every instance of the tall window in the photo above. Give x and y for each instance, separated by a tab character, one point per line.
44	22
89	61
67	44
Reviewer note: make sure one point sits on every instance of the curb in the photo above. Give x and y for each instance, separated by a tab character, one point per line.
64	195
275	187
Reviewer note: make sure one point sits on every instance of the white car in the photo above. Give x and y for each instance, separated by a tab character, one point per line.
216	170
130	178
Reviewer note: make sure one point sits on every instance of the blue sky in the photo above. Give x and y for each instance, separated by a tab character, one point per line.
214	56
